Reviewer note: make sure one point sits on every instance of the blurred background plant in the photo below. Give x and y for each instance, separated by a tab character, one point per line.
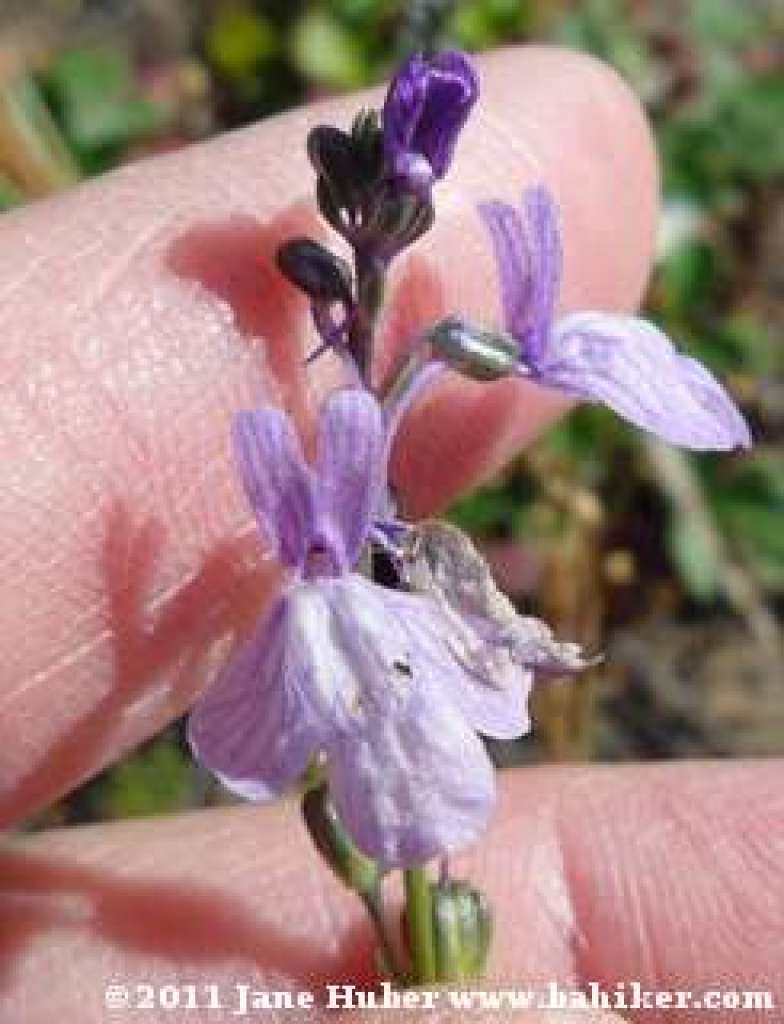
672	564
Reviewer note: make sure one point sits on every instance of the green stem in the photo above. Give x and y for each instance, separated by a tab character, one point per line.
375	911
370	276
419	918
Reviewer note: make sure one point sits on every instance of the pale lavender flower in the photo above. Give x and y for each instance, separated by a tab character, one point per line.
426	106
344	668
623	361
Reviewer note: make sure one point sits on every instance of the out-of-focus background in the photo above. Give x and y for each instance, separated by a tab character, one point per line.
672	564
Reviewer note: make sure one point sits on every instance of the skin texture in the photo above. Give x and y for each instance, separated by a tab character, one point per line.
139	313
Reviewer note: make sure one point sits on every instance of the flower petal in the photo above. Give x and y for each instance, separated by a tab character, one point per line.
426	106
478	678
256	727
505	226
544	253
413	787
500	650
528	254
453	87
277	480
351	467
407	772
403	105
631	366
706	390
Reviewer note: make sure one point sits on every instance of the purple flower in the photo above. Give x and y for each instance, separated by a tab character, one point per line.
426	106
345	669
623	361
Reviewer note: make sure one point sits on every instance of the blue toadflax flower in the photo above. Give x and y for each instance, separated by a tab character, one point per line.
623	361
426	106
343	668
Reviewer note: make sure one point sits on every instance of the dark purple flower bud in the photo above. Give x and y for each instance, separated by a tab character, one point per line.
317	271
426	106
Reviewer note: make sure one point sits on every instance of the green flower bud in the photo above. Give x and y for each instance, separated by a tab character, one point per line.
462	928
368	139
341	184
481	355
398	218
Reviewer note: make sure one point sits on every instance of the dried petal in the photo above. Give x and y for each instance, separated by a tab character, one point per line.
485	632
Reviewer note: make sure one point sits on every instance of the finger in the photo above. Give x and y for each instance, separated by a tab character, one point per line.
665	875
141	311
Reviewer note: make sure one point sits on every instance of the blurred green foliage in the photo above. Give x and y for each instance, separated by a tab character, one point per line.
98	104
152	781
10	194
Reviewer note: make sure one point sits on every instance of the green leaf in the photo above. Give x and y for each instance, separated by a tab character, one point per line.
99	104
490	511
725	22
479	25
689	277
750	119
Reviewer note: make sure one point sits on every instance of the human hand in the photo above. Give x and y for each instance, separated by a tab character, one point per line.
134	314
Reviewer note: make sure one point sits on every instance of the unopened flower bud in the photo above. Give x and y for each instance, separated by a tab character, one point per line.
426	106
481	355
462	928
335	845
341	182
394	214
317	271
368	140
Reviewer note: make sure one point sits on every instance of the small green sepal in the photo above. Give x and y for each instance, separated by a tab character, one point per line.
353	868
479	354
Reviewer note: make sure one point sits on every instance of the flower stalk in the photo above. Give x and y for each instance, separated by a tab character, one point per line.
388	681
370	273
419	926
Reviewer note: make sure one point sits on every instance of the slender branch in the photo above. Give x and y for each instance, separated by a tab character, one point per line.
419	919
